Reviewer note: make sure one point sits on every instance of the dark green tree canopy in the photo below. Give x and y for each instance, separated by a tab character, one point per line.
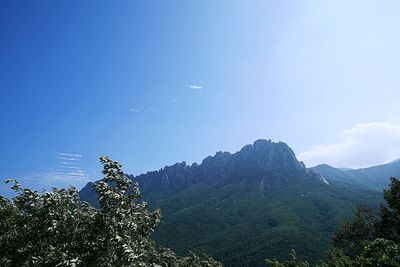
366	241
389	226
352	236
380	252
57	229
291	261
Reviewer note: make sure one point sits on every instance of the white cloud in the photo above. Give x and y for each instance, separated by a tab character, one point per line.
70	155
65	163
65	158
174	100
364	145
52	178
72	174
194	87
68	172
134	110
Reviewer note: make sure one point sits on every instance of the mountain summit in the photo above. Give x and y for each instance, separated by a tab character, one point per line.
241	208
264	162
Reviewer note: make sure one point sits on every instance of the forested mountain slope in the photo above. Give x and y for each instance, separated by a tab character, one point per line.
374	178
244	207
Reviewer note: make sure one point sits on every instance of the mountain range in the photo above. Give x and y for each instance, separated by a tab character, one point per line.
374	178
257	203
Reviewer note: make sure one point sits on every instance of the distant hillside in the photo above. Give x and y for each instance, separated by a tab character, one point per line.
244	207
374	178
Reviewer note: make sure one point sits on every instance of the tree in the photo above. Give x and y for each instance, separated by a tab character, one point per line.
292	261
380	252
389	226
45	230
360	242
336	258
56	229
352	236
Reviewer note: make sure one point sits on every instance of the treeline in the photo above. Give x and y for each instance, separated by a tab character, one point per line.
367	240
57	229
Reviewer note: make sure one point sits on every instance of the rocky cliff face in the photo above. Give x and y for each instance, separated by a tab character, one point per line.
247	206
263	162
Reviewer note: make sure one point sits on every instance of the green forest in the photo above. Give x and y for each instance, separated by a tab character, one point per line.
253	133
58	229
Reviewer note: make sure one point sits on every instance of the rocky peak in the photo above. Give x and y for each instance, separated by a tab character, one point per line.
263	160
265	155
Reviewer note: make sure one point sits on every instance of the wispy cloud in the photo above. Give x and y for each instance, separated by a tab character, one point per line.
69	170
65	158
70	155
54	177
364	145
134	110
66	163
194	87
80	174
174	100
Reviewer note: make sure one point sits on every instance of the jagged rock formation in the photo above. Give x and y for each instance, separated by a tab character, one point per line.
241	208
263	162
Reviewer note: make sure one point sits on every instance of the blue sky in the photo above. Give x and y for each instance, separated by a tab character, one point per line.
153	83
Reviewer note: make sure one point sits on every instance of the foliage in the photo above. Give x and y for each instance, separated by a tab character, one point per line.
45	230
352	236
389	226
236	220
356	243
259	203
380	252
57	229
292	261
336	258
253	224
